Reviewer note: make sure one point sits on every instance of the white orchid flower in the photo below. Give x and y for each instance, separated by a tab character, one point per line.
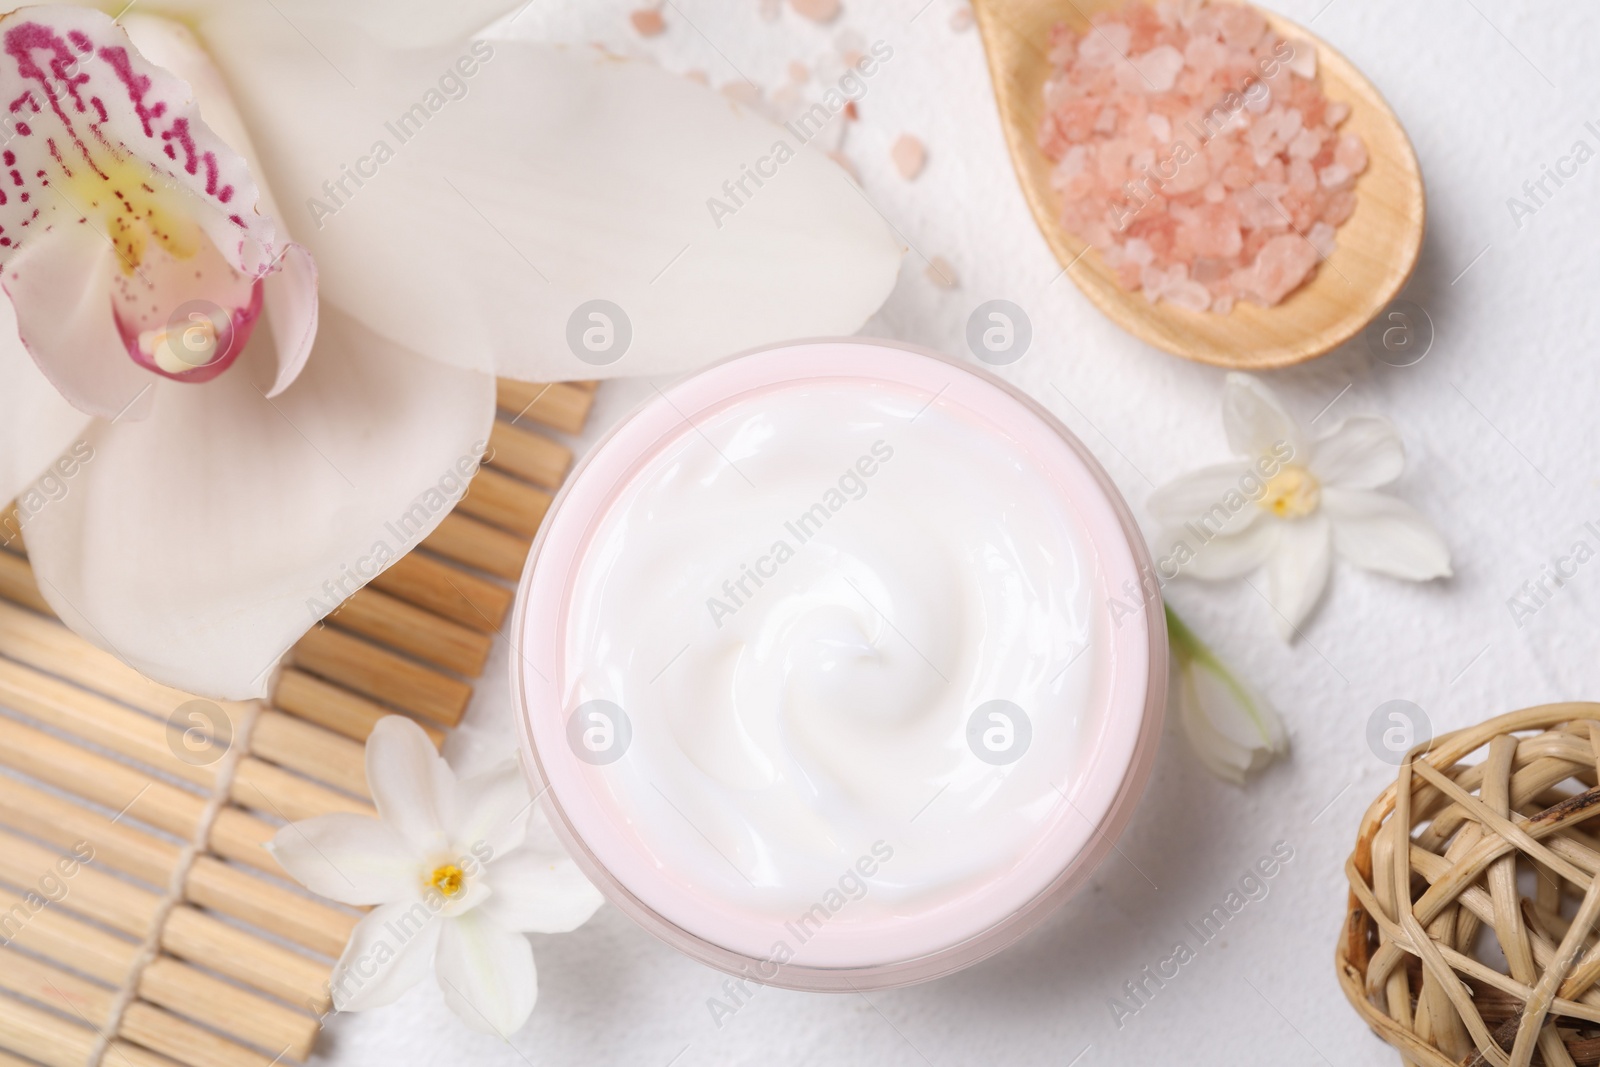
188	190
1231	728
1290	503
458	871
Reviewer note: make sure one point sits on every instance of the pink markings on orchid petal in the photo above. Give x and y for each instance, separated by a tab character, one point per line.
114	144
117	118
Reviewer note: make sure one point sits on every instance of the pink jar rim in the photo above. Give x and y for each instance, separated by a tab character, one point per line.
911	948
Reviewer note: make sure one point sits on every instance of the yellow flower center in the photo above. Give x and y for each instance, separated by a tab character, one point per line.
134	209
1293	493
448	880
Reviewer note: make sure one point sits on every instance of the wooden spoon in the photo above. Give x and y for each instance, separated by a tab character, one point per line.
1377	246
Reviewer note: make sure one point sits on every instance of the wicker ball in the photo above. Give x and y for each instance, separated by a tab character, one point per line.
1473	935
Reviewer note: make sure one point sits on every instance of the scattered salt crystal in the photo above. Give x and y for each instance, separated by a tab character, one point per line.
798	72
743	92
908	155
816	10
697	76
942	274
771	9
961	19
647	22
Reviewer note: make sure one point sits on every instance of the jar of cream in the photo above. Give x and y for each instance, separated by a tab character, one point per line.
819	676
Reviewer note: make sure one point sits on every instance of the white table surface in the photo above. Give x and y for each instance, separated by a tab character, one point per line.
1504	456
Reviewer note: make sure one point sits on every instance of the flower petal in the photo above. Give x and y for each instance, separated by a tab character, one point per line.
36	424
60	289
353	859
1364	452
1210	497
388	953
539	892
487	974
410	784
291	290
91	116
491	809
1257	424
548	179
1221	558
1232	729
1379	533
1297	572
406	23
201	544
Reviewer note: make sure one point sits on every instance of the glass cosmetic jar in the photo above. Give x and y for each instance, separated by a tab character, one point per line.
835	666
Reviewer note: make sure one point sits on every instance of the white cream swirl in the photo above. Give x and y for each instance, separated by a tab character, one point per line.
800	604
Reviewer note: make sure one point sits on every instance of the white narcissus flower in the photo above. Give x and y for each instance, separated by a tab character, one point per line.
264	260
1291	503
458	871
1231	728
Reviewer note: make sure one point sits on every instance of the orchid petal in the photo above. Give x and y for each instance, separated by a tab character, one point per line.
407	23
354	859
60	288
486	973
1298	570
290	290
1211	497
1224	557
491	809
1364	452
410	782
36	426
1380	533
548	179
1257	423
103	141
388	953
205	542
539	892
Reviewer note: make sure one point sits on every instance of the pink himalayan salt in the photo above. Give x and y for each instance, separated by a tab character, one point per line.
816	10
647	22
1195	149
941	273
908	155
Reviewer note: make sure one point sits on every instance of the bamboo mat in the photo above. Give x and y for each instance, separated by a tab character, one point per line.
142	924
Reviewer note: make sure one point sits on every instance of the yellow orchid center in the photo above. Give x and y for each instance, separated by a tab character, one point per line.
1293	493
133	208
448	880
